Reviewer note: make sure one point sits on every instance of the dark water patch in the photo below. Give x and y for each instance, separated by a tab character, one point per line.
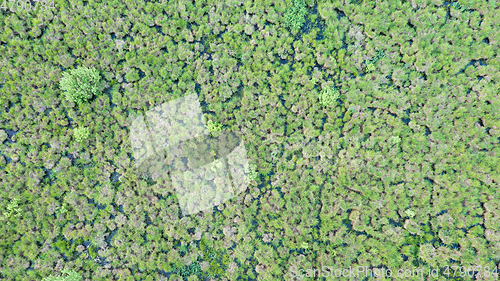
129	37
427	131
409	24
159	29
71	53
130	157
486	41
429	180
406	120
10	134
47	111
481	62
145	237
442	212
97	205
115	177
347	222
164	273
70	120
148	219
108	92
48	177
480	122
141	73
71	157
395	223
8	160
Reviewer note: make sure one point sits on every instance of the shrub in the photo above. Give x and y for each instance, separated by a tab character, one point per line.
295	16
81	134
132	76
251	173
71	275
395	140
370	64
410	213
12	207
328	96
80	84
213	126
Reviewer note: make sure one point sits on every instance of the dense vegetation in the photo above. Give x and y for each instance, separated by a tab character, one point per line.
80	84
372	127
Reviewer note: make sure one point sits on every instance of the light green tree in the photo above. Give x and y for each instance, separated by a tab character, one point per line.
395	140
80	84
410	213
71	275
13	210
213	126
295	16
81	133
251	173
328	96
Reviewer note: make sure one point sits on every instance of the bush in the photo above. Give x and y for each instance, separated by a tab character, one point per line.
328	96
12	207
132	76
81	134
251	174
395	140
370	64
295	16
71	275
410	213
80	84
213	126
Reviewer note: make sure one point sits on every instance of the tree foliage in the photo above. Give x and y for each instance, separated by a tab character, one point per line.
80	84
397	168
295	16
81	133
328	96
12	210
68	275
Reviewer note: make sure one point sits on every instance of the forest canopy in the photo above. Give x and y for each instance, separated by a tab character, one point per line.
372	132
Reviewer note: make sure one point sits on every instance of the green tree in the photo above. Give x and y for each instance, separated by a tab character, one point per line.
132	75
213	126
80	84
295	16
71	275
13	210
328	96
81	133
